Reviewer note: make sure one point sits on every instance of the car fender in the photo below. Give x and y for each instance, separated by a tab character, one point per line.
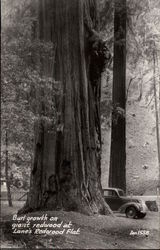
123	208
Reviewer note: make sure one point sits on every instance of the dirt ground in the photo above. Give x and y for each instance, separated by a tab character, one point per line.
96	232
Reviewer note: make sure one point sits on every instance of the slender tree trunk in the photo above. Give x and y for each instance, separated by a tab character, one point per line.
117	172
6	174
156	110
72	180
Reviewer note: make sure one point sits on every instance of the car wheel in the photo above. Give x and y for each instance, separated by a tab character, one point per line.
131	212
141	215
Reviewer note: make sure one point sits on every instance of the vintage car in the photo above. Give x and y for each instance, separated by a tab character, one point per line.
116	199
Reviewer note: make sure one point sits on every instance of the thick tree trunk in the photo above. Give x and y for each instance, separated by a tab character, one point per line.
117	173
72	180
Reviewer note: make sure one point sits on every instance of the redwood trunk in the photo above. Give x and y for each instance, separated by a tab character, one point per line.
71	180
117	173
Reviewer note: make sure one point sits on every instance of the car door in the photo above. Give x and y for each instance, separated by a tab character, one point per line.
112	199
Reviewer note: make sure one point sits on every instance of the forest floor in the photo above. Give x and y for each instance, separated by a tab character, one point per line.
95	232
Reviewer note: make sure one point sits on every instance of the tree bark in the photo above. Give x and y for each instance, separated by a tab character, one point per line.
117	172
72	181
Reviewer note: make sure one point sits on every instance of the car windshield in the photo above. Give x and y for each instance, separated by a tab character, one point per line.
121	193
110	193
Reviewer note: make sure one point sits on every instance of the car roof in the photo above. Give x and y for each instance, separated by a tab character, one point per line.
117	189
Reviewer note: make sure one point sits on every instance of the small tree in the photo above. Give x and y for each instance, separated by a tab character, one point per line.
156	107
6	174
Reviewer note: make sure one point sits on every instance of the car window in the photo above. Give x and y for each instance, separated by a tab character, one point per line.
107	193
110	193
121	193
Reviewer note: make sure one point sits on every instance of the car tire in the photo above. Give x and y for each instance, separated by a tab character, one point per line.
131	212
141	215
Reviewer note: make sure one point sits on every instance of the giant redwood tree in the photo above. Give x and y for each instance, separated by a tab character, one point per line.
117	172
66	169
